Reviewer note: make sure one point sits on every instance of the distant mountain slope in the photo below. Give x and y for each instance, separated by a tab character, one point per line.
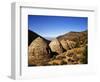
32	35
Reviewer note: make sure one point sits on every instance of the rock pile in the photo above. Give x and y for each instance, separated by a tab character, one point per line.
67	49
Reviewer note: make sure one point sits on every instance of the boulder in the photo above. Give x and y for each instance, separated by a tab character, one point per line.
38	52
55	46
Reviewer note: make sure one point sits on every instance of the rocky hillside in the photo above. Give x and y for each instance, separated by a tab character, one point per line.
70	48
79	37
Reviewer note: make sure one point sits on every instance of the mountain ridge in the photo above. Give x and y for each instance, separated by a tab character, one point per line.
32	35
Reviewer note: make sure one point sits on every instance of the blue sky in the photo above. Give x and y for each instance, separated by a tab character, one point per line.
53	26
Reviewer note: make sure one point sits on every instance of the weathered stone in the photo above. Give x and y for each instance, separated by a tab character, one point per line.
38	52
55	62
76	55
66	44
55	46
60	56
80	38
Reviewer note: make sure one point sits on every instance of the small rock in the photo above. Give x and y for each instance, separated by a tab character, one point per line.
55	62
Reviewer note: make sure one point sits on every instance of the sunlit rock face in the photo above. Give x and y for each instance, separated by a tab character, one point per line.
67	44
55	46
38	52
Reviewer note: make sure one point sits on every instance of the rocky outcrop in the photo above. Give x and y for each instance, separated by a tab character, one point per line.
79	37
67	44
70	48
73	56
76	55
38	52
55	46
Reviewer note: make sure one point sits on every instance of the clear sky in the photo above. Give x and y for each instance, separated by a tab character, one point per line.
53	26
